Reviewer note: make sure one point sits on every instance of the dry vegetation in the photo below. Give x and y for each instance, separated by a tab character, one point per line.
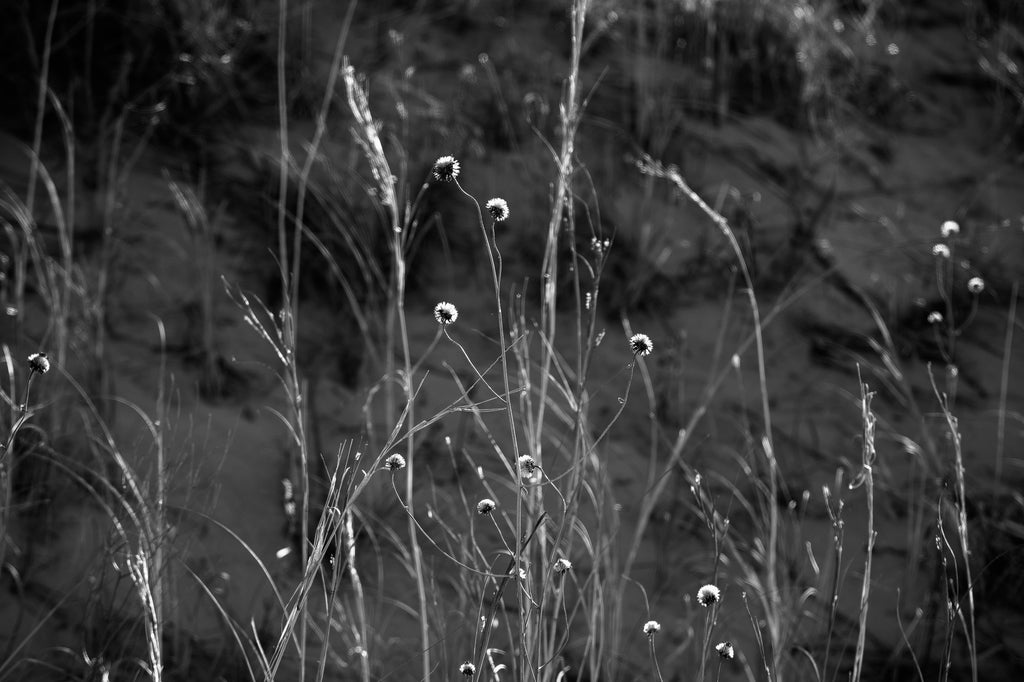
544	340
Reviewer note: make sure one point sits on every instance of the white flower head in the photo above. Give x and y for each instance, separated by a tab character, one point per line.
394	462
498	208
975	285
562	565
485	506
467	669
446	169
726	650
940	251
708	595
949	228
935	317
445	313
38	363
527	465
651	627
641	344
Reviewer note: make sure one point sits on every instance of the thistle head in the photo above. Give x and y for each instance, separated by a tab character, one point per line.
445	169
498	208
445	313
708	595
38	363
527	465
641	344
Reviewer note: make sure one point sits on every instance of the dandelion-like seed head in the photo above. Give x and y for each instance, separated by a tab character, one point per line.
498	208
467	669
651	627
975	285
446	169
726	650
940	251
708	595
562	565
641	344
394	462
935	317
527	465
445	313
485	506
38	363
950	228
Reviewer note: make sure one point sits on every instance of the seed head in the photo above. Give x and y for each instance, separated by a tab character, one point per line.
950	228
446	169
975	285
445	313
726	650
641	344
38	363
708	595
935	317
940	251
467	669
498	208
485	506
562	565
651	627
527	465
394	462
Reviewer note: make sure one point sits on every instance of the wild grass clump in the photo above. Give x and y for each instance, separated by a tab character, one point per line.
187	66
807	64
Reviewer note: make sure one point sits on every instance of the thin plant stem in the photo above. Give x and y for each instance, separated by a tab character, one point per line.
37	134
866	478
648	165
491	247
1004	383
706	644
654	659
962	531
